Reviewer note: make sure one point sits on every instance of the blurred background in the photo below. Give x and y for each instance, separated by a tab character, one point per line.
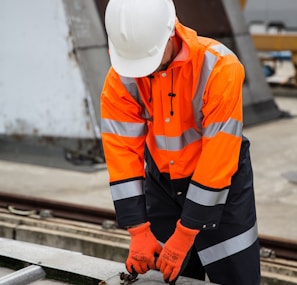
53	62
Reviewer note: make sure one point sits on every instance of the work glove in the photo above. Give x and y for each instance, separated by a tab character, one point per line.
144	247
176	251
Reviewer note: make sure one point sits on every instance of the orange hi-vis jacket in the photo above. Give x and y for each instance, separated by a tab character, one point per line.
190	119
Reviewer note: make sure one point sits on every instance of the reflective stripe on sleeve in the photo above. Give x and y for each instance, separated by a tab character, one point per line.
205	197
177	143
131	86
127	190
222	49
232	127
229	247
123	128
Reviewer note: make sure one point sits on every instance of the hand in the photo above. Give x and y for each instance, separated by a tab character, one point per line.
175	251
143	249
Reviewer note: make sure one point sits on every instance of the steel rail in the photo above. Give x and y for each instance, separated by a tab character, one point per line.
280	247
27	205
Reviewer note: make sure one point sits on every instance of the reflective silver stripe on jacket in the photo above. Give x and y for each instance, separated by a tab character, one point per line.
229	247
205	197
232	127
177	143
191	135
222	49
123	128
131	86
207	67
127	190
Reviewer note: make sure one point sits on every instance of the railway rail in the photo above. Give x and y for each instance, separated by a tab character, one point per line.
271	247
26	205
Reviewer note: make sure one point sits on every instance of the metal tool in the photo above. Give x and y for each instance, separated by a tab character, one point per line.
127	278
121	278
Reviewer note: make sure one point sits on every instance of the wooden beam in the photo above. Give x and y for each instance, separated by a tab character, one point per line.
275	42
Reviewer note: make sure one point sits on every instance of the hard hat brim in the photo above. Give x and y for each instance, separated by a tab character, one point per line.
135	67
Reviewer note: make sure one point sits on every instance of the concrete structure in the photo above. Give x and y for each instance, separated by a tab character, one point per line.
74	266
53	64
55	57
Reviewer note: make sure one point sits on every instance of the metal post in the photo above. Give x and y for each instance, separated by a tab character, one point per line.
23	276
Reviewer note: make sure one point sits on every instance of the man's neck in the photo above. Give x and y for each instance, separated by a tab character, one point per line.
177	45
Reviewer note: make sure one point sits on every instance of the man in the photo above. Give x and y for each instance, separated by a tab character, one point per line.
180	172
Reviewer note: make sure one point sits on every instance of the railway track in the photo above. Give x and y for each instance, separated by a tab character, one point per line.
271	247
25	205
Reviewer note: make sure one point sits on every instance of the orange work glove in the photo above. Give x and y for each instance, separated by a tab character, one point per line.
175	251
143	249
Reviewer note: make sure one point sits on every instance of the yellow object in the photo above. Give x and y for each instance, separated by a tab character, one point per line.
277	42
242	3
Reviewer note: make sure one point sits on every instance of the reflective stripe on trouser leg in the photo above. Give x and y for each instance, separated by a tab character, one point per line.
228	247
230	254
235	260
242	267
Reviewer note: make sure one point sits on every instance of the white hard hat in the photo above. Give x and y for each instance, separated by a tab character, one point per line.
138	32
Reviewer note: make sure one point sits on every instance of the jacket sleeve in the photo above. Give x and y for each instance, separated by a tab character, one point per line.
221	142
123	135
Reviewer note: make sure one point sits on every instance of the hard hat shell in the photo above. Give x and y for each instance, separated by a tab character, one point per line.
138	32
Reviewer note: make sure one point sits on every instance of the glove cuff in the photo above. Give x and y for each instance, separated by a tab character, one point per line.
185	230
139	229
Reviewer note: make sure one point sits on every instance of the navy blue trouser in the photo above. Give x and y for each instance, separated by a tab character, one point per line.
229	254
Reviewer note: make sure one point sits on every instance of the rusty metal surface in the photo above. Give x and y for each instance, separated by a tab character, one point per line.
25	205
279	247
